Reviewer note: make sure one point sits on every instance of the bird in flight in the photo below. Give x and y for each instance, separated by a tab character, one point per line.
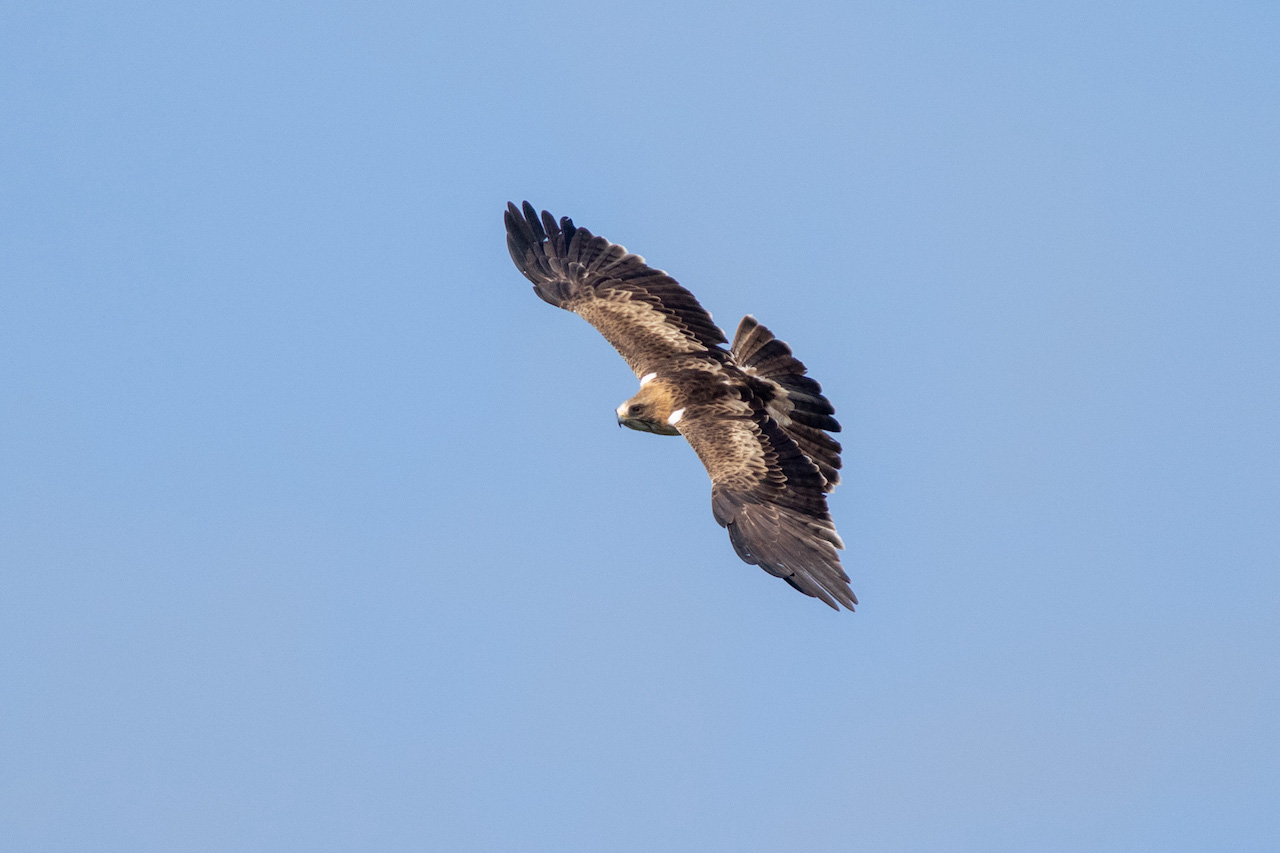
757	422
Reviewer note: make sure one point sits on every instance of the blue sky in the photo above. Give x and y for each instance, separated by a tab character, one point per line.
318	533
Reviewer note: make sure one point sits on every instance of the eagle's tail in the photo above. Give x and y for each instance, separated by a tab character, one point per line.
758	352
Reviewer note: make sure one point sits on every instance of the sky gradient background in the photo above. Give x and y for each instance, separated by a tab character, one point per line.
317	534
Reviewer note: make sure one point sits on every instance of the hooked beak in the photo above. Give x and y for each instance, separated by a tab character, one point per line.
641	425
632	423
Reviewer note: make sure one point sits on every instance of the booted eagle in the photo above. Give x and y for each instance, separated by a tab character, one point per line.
758	424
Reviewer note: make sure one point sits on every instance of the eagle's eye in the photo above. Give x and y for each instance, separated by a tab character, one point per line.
635	409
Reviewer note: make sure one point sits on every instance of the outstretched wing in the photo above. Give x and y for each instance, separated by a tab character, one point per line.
770	496
643	312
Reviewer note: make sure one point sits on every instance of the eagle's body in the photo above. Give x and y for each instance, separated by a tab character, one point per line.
759	425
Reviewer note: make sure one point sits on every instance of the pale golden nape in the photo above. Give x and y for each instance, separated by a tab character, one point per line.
651	409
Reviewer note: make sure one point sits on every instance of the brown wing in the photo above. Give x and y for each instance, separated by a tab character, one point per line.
792	399
770	496
643	312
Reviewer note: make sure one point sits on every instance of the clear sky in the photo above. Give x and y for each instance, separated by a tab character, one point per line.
317	533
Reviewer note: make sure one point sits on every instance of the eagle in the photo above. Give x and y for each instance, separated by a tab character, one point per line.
758	423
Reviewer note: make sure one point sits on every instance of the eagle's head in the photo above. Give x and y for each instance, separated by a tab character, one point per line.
651	409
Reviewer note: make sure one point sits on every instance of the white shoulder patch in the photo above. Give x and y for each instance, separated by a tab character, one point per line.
675	417
647	378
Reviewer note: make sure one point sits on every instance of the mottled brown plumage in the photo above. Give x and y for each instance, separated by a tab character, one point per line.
757	422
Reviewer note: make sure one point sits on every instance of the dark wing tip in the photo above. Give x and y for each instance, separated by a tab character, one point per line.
528	239
524	223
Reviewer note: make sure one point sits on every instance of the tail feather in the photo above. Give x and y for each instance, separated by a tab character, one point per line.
762	355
